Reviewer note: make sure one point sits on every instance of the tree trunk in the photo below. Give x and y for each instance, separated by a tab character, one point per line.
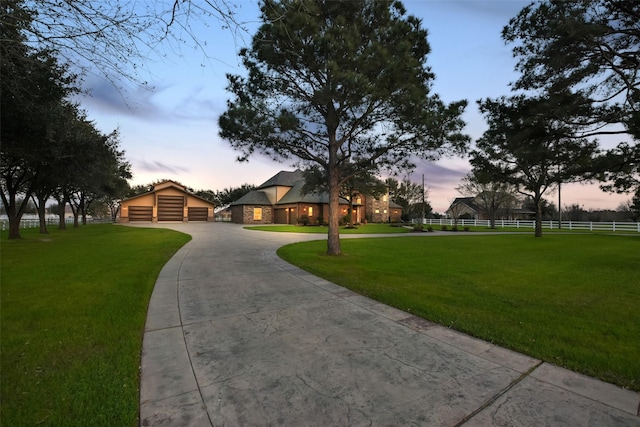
538	232
333	238
42	216
41	201
14	213
14	227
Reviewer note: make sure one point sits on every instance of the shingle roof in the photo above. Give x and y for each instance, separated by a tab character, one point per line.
283	178
469	201
254	197
295	196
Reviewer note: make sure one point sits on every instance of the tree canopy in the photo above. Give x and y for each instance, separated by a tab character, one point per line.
341	85
592	49
527	147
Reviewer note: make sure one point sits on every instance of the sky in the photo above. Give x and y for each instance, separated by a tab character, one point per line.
169	130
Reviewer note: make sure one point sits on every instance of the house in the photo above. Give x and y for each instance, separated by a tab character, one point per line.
472	208
168	201
280	200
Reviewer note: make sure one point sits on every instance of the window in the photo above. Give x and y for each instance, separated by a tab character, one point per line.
385	211
310	211
377	210
257	214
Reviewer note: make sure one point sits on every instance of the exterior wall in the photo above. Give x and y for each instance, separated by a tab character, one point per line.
144	200
243	214
194	202
395	214
165	189
377	210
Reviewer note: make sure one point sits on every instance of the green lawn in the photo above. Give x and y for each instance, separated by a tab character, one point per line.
74	304
572	300
359	229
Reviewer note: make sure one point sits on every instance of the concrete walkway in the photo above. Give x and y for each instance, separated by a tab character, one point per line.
237	337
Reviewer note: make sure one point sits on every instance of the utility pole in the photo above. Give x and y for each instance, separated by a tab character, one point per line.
423	202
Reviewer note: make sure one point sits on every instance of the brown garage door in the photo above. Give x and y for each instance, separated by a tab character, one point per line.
140	213
198	214
170	208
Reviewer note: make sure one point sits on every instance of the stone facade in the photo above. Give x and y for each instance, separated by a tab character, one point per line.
248	213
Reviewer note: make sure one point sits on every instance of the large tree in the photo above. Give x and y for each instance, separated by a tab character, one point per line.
341	85
527	147
591	47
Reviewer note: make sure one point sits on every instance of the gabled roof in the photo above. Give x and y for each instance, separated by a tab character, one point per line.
168	184
255	197
468	201
295	196
394	205
284	179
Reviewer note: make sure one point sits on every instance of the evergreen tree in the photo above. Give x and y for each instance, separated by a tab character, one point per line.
341	85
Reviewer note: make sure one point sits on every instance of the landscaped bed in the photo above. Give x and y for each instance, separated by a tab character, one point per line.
571	300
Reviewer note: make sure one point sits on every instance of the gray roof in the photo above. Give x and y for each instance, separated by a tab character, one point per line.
295	196
283	178
254	197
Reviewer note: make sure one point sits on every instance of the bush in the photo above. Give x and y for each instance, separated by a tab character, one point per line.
444	228
304	220
417	227
466	228
430	229
454	228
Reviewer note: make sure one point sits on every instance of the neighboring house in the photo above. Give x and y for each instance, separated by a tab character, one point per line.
280	200
168	201
471	207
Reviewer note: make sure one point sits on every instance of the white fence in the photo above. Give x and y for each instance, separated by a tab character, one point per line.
551	225
33	223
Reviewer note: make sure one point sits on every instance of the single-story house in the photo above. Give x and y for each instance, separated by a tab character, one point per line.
280	200
168	201
471	208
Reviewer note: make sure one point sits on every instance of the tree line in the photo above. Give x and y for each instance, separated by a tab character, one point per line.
50	149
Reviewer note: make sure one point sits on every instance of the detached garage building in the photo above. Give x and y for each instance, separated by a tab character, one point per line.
169	201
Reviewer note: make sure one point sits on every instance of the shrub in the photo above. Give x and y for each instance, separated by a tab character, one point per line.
444	228
430	229
466	228
417	227
454	228
304	220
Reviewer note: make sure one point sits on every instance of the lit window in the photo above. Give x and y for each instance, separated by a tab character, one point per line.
310	211
377	210
385	211
257	214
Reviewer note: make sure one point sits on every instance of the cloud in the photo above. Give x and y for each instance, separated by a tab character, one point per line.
156	166
139	102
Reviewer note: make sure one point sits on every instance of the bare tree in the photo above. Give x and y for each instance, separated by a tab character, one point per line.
490	196
114	38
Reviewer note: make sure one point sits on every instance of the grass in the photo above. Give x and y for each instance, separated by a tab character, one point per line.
74	304
571	300
320	229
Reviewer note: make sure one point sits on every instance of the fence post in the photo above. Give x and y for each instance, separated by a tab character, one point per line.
614	226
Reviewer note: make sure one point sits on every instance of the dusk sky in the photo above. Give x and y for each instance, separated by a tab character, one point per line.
171	132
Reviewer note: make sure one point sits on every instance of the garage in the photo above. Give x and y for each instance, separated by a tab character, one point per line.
170	208
140	213
169	201
197	214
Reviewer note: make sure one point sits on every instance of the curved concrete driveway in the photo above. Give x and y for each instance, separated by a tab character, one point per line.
237	337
